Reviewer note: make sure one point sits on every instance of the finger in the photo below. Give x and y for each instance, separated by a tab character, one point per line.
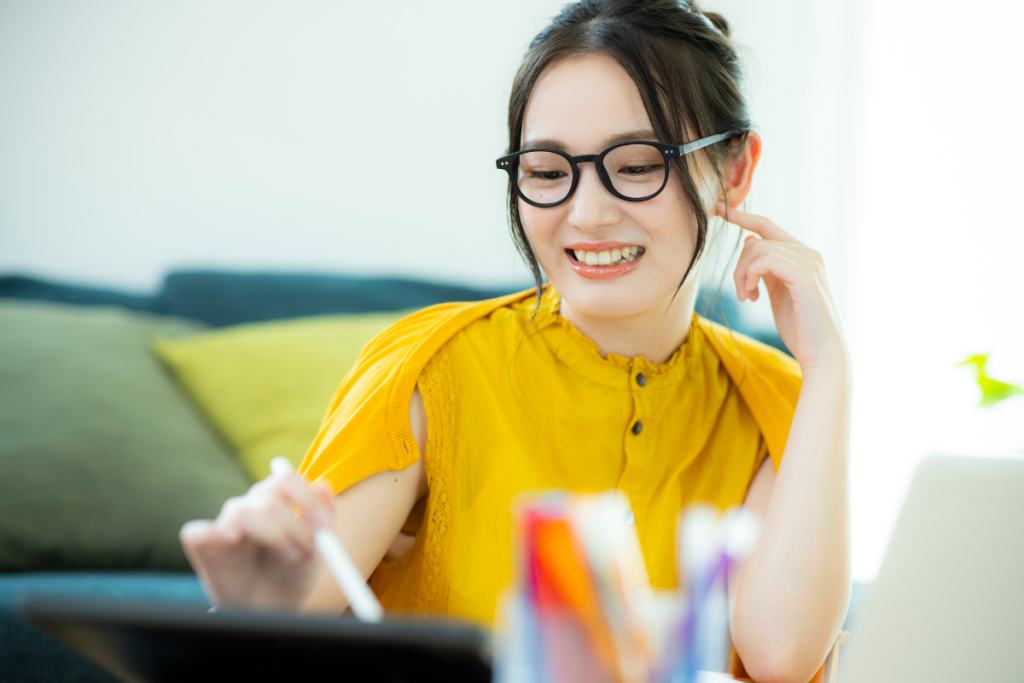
794	248
739	273
753	248
809	267
276	506
266	531
774	264
754	223
260	519
326	494
198	537
295	489
294	528
200	533
801	250
203	542
286	516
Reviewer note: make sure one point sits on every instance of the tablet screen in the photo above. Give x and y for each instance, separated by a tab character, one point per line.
157	642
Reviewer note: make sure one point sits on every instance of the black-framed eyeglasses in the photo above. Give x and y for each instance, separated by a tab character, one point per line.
634	171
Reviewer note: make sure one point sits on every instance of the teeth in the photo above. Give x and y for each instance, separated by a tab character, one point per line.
605	258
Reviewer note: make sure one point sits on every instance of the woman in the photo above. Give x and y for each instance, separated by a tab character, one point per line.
606	380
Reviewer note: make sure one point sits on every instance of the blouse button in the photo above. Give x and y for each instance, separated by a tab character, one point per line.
641	380
638	427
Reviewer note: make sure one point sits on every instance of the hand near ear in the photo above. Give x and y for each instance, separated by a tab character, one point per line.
794	276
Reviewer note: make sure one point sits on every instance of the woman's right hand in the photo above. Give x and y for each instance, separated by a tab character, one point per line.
259	551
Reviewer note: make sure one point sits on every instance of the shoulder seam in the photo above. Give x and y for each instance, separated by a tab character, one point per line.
404	379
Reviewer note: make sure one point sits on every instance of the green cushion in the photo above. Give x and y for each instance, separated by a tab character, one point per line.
266	386
102	458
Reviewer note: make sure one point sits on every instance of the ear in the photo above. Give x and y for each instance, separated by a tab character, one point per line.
740	174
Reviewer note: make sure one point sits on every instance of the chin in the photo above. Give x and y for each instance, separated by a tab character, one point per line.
606	298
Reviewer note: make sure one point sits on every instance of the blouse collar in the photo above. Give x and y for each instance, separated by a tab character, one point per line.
582	355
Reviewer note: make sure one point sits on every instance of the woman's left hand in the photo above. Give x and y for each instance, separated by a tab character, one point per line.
794	276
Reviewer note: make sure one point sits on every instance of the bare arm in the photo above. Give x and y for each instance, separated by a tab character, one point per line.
369	515
259	552
790	598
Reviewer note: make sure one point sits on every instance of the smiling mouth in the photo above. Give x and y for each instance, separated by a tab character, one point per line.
610	257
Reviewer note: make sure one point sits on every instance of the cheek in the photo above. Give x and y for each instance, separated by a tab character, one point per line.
540	226
670	219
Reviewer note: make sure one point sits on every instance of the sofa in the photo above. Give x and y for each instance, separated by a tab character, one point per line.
122	415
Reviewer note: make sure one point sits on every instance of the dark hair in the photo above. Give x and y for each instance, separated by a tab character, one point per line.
687	72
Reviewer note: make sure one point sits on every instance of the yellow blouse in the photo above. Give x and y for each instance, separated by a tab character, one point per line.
514	405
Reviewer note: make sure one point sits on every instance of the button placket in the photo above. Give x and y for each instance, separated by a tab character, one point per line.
636	445
641	381
637	470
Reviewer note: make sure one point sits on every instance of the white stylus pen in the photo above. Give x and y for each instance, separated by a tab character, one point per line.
364	603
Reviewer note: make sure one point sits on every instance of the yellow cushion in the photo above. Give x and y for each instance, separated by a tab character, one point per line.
266	386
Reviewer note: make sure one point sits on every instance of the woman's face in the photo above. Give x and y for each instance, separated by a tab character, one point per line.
582	106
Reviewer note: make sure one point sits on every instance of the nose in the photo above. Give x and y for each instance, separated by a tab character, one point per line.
593	206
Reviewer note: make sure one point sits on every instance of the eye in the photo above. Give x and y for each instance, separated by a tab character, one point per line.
543	168
547	175
640	170
636	162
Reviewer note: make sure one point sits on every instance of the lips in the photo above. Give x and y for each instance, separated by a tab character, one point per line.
608	257
620	267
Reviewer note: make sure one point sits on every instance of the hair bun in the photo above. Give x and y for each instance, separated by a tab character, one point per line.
714	18
719	21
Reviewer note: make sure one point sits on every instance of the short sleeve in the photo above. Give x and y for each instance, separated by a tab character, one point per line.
366	429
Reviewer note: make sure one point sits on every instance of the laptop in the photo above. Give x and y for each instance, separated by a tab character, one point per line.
948	603
161	643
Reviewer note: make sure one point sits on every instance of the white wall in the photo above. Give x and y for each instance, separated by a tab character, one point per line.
938	244
137	137
891	145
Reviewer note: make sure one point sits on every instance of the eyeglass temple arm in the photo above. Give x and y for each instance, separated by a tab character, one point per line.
503	163
704	142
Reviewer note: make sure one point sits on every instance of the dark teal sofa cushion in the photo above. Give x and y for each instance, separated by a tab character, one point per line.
27	655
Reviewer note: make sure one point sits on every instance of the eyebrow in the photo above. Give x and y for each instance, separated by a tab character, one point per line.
551	143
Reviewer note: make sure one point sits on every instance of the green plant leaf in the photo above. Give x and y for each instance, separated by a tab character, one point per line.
992	390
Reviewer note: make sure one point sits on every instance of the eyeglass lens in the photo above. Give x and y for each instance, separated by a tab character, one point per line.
636	170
